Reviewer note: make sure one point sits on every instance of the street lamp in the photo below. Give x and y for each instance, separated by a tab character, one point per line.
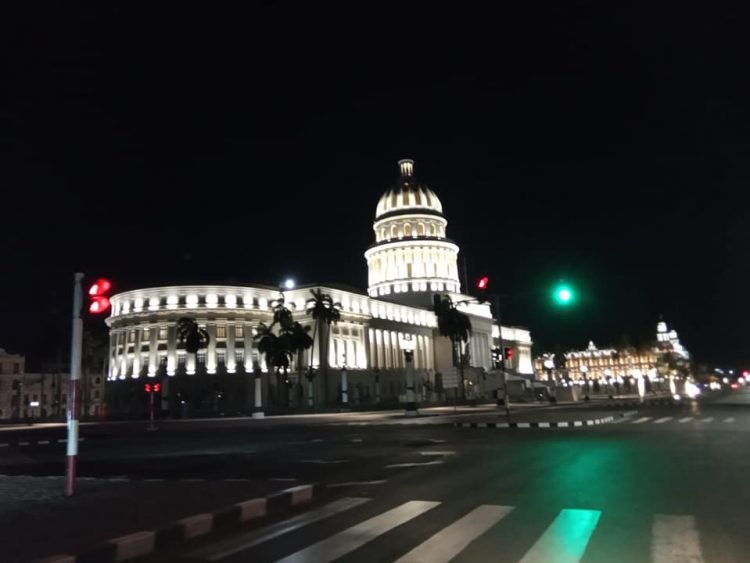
584	371
407	345
289	283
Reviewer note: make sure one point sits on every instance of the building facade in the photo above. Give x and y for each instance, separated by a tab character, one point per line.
410	261
614	364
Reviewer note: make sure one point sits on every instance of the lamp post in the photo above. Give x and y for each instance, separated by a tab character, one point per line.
257	399
407	345
344	385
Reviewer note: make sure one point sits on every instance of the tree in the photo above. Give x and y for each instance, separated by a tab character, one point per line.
324	311
191	336
276	351
454	325
298	340
282	316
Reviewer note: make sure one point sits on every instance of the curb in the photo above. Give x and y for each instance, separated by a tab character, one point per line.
147	542
563	424
652	403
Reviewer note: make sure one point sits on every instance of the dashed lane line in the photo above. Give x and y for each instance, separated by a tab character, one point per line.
441	453
356	484
414	464
662	420
686	419
641	420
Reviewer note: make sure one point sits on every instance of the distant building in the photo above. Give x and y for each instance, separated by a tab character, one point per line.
614	363
43	395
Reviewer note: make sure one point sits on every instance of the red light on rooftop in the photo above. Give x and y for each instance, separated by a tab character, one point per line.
483	283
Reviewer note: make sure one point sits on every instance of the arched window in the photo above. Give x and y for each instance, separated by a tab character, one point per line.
407	229
433	230
394	231
420	229
382	233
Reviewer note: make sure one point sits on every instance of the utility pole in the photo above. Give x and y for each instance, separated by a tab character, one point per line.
503	373
75	382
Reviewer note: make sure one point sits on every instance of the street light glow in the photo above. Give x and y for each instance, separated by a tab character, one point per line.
289	284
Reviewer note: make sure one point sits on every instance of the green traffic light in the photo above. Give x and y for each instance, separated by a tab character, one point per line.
564	295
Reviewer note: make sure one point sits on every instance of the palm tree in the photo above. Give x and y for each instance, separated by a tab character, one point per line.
191	336
282	316
324	311
298	340
277	352
455	325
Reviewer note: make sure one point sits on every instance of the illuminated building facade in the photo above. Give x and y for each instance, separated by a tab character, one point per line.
613	363
410	261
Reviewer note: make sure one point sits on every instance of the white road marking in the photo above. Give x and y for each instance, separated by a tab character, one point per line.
23	443
416	464
356	440
641	420
443	453
452	540
42	442
437	441
674	539
707	419
686	419
344	542
565	540
662	420
62	440
234	545
191	480
4	445
154	480
324	461
356	484
316	440
729	420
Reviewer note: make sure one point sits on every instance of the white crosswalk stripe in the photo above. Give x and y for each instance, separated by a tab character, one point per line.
686	419
662	420
452	540
566	538
641	420
729	420
707	419
675	538
350	539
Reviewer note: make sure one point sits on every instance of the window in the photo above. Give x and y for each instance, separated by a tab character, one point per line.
202	357
239	356
221	331
96	394
145	335
1	367
181	359
35	397
97	380
26	399
162	333
239	331
64	397
131	336
433	230
407	230
420	229
16	367
221	357
44	398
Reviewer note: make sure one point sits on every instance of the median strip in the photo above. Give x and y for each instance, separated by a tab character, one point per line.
561	424
148	542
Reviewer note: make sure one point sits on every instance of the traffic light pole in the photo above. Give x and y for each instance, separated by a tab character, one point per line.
503	373
75	386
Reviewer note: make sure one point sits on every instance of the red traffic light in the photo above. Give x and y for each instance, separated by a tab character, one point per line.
147	387
100	287
483	283
157	387
99	304
98	292
508	355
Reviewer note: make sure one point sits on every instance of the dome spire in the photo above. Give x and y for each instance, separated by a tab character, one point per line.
406	165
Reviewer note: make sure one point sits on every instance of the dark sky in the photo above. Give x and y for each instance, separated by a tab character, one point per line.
603	145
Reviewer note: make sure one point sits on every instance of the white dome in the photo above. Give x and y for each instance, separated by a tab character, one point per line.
408	195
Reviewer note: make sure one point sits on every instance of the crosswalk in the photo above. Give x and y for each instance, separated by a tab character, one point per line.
562	537
684	420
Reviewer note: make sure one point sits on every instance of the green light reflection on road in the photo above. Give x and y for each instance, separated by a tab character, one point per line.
565	540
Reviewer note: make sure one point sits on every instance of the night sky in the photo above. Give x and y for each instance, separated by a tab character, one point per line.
602	145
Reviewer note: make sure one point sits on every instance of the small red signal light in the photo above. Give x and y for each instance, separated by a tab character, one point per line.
483	283
147	387
508	353
99	304
157	387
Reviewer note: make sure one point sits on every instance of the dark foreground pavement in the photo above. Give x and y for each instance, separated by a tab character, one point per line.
664	489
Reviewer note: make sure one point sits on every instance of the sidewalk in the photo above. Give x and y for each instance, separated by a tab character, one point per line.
38	521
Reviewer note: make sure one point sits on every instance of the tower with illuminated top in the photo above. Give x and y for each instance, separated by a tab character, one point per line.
411	258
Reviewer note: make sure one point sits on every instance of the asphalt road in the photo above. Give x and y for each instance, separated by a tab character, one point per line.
665	484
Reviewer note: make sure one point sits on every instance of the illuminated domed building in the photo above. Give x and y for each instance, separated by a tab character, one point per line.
411	260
